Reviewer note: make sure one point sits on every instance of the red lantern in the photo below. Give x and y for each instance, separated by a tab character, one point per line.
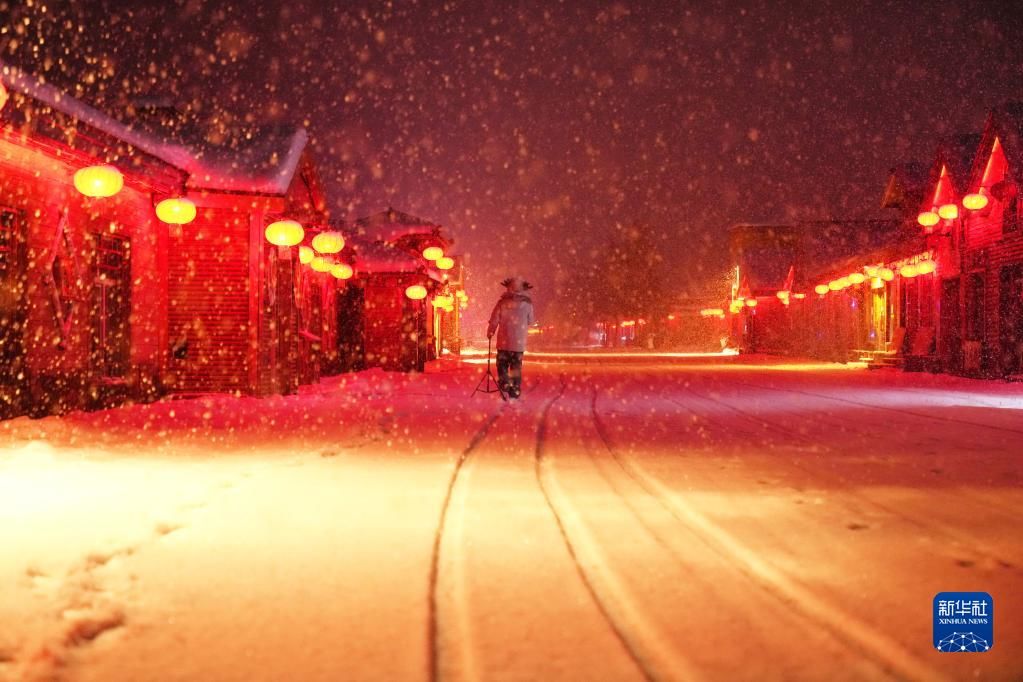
284	233
416	292
99	181
974	202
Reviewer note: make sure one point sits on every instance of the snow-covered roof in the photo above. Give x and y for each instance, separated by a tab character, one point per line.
18	81
375	257
262	160
391	225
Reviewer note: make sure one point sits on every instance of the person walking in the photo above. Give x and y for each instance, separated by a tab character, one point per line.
511	320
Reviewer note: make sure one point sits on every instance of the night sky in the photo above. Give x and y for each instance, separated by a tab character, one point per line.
541	132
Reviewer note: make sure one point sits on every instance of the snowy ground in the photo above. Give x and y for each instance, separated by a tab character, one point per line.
631	518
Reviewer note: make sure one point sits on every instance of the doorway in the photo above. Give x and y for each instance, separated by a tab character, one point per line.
278	368
951	327
110	309
351	304
879	333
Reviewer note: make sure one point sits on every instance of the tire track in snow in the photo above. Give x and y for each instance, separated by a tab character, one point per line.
774	581
548	487
433	626
650	647
939	529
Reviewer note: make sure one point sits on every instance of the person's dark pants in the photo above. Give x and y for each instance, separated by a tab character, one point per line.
509	372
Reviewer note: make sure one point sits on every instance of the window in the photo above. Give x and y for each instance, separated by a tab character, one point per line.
111	306
975	308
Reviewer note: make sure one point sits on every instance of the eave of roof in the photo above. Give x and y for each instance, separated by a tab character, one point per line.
204	171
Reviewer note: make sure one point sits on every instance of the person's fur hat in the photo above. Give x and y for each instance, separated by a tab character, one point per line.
516	284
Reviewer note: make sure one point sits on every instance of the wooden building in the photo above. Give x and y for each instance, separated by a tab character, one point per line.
391	255
235	320
764	258
775	306
102	301
382	326
913	316
107	294
83	313
992	264
938	287
908	316
929	304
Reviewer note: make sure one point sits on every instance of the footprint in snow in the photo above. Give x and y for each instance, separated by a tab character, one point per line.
86	625
165	528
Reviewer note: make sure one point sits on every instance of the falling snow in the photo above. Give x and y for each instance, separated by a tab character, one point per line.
248	254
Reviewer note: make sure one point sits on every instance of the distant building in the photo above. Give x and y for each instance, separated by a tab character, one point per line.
399	332
938	287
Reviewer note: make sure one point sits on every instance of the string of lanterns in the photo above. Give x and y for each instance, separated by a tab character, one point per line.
104	181
974	201
878	275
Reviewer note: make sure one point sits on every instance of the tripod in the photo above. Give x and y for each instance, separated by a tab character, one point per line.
489	383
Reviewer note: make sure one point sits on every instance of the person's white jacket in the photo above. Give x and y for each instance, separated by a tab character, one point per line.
511	319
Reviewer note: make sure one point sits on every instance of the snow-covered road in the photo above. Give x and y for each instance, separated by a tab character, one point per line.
633	518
